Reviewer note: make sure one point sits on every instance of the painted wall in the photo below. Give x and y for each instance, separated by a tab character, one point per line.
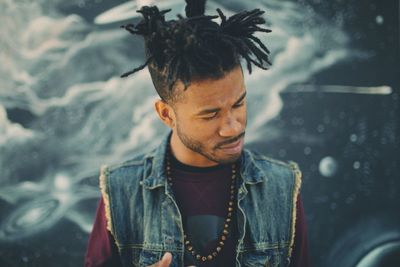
330	102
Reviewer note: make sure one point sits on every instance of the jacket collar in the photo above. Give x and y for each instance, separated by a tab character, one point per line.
249	169
156	159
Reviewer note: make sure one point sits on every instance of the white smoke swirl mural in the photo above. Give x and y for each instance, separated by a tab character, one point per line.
64	110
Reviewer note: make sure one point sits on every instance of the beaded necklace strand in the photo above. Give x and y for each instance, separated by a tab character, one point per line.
228	220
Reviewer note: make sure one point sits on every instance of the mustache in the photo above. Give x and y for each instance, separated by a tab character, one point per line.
230	141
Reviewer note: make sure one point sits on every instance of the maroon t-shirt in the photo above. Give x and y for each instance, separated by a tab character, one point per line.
202	196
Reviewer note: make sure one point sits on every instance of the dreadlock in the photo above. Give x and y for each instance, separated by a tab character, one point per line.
196	48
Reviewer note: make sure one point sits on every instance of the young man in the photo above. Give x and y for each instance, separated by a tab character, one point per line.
200	198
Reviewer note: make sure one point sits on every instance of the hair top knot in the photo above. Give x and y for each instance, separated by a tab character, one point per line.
195	46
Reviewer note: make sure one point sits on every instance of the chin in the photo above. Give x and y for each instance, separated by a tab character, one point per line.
228	159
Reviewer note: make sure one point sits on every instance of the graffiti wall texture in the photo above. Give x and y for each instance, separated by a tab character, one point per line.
330	102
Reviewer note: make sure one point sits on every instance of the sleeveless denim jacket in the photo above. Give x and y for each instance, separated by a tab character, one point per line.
144	219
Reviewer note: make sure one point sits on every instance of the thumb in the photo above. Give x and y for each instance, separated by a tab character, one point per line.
166	260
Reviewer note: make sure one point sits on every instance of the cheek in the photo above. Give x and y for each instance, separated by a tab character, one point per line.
197	129
206	133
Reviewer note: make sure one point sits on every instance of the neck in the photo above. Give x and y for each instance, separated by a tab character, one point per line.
186	155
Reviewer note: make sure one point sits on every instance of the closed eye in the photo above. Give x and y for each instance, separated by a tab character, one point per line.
240	101
239	104
210	116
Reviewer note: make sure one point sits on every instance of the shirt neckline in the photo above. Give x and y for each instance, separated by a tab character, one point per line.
178	165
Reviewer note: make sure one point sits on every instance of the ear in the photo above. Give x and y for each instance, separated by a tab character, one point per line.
165	112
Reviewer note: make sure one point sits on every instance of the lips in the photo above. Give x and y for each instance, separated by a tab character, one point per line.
233	147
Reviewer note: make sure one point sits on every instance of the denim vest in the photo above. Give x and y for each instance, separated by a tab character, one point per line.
144	219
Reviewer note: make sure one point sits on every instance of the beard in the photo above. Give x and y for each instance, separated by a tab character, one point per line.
199	147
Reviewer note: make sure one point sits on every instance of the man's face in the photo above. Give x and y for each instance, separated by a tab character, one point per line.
211	118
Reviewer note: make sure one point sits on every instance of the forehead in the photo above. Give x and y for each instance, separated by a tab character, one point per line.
215	93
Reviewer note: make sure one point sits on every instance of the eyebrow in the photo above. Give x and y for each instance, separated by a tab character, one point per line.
212	110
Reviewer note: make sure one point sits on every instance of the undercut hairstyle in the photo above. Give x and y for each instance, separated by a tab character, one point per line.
195	48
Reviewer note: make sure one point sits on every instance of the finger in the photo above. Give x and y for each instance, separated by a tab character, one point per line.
166	260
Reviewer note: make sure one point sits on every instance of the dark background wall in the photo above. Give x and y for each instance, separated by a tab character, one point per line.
330	102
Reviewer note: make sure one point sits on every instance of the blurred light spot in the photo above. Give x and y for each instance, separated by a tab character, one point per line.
307	150
350	199
353	138
356	165
62	182
328	166
379	19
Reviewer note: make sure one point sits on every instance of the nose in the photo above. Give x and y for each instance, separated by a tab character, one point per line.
230	127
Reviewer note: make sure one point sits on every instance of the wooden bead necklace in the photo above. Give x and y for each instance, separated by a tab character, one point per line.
224	235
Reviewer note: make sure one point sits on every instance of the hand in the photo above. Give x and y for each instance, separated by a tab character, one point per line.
164	262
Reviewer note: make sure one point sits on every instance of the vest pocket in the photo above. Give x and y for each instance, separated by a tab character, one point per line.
135	252
148	257
260	259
